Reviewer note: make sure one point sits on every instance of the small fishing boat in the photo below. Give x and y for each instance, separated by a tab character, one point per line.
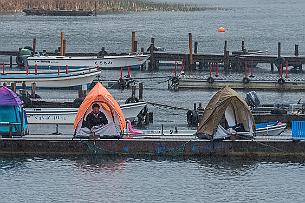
105	62
12	116
67	115
51	79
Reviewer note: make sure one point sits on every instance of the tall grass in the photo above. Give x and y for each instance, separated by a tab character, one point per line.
102	5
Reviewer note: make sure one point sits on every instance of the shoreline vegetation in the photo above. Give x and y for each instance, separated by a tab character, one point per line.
102	6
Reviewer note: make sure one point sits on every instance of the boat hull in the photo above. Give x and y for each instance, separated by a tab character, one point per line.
107	62
67	115
52	80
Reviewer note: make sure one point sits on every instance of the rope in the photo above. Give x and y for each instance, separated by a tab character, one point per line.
167	106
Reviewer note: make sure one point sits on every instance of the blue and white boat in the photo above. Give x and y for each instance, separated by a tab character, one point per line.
105	62
51	79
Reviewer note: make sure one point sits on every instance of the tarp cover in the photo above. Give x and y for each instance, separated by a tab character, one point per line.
9	98
225	101
110	107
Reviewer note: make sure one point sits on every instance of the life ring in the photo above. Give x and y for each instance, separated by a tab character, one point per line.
210	80
281	81
131	100
246	80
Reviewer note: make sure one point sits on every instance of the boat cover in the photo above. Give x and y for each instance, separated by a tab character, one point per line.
109	107
228	104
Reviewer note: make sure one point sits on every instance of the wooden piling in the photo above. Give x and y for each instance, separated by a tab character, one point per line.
296	50
64	47
13	87
95	8
152	63
135	46
141	88
226	57
62	37
243	46
33	90
195	47
190	50
279	49
11	61
133	91
272	67
133	39
34	45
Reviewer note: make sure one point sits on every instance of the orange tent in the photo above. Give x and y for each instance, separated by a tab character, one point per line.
99	94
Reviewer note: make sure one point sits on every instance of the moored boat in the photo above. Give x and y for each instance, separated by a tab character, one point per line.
105	62
67	115
51	79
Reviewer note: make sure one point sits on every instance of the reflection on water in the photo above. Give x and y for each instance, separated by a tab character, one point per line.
149	179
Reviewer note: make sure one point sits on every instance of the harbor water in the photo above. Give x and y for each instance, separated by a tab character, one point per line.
261	24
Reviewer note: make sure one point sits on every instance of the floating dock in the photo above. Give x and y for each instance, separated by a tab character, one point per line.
153	145
204	83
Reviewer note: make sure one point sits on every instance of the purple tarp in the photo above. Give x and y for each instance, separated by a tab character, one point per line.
9	98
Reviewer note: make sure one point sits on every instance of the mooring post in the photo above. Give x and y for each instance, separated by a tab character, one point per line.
133	39
190	51
152	63
95	7
64	47
135	46
133	91
279	49
141	88
243	46
195	47
13	87
23	85
272	67
226	57
11	61
34	46
296	50
62	37
33	90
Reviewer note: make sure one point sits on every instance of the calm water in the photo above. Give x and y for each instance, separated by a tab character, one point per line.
261	23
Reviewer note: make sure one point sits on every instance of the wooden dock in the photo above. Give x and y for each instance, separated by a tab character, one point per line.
158	146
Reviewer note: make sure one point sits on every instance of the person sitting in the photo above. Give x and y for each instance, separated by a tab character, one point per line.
96	117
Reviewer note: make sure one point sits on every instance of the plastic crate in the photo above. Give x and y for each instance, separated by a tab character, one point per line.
298	130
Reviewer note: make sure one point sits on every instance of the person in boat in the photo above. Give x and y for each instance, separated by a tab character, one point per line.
96	117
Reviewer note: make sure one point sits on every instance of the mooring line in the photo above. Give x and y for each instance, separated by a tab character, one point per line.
167	106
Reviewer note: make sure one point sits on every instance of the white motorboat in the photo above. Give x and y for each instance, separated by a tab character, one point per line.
51	79
105	62
67	115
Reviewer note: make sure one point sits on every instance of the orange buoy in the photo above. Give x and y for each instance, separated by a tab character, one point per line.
221	29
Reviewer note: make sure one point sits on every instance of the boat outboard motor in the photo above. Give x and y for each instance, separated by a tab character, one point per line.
252	99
